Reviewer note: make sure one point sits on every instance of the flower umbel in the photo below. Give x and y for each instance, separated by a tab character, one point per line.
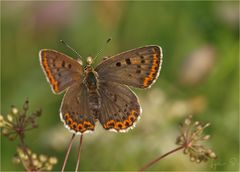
17	122
192	139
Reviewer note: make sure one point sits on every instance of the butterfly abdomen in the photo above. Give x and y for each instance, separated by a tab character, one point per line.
94	98
94	103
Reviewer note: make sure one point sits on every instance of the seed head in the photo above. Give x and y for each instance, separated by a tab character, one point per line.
191	139
17	122
13	126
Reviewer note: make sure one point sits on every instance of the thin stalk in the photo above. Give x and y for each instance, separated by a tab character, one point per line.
24	164
79	153
23	146
159	158
68	151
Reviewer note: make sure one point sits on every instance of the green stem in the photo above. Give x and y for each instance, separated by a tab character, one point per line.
24	147
159	158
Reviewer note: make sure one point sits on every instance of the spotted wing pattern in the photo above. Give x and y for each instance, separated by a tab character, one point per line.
75	110
138	68
61	70
120	107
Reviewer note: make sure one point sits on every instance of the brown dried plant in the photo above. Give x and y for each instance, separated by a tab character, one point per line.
191	142
14	126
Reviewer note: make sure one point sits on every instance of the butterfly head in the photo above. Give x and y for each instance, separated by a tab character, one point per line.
89	60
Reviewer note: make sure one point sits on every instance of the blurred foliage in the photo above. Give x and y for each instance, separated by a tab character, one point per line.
190	33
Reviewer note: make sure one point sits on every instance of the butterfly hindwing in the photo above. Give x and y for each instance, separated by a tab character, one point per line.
75	110
120	107
61	70
138	68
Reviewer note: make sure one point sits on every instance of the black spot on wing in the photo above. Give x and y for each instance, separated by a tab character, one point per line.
128	61
118	64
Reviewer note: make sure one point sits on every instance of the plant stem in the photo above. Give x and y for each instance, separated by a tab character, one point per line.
24	164
68	151
79	153
24	147
159	158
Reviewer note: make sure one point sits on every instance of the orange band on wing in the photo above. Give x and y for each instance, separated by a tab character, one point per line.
49	74
121	125
153	71
76	126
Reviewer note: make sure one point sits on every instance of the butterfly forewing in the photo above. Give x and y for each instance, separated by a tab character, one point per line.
120	107
138	68
75	109
60	70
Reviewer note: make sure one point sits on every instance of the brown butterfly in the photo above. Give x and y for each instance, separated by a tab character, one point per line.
101	93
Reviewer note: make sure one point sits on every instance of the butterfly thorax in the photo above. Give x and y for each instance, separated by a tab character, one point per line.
90	76
91	80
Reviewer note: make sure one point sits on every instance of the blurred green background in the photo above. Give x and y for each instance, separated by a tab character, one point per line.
199	76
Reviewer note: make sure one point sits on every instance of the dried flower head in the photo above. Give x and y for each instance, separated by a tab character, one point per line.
14	126
17	122
191	139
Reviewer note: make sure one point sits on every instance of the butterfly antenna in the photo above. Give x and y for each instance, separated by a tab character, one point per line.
64	43
103	48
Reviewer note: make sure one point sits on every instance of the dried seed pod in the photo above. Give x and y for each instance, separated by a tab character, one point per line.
206	137
26	105
43	158
52	160
14	110
16	159
9	118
